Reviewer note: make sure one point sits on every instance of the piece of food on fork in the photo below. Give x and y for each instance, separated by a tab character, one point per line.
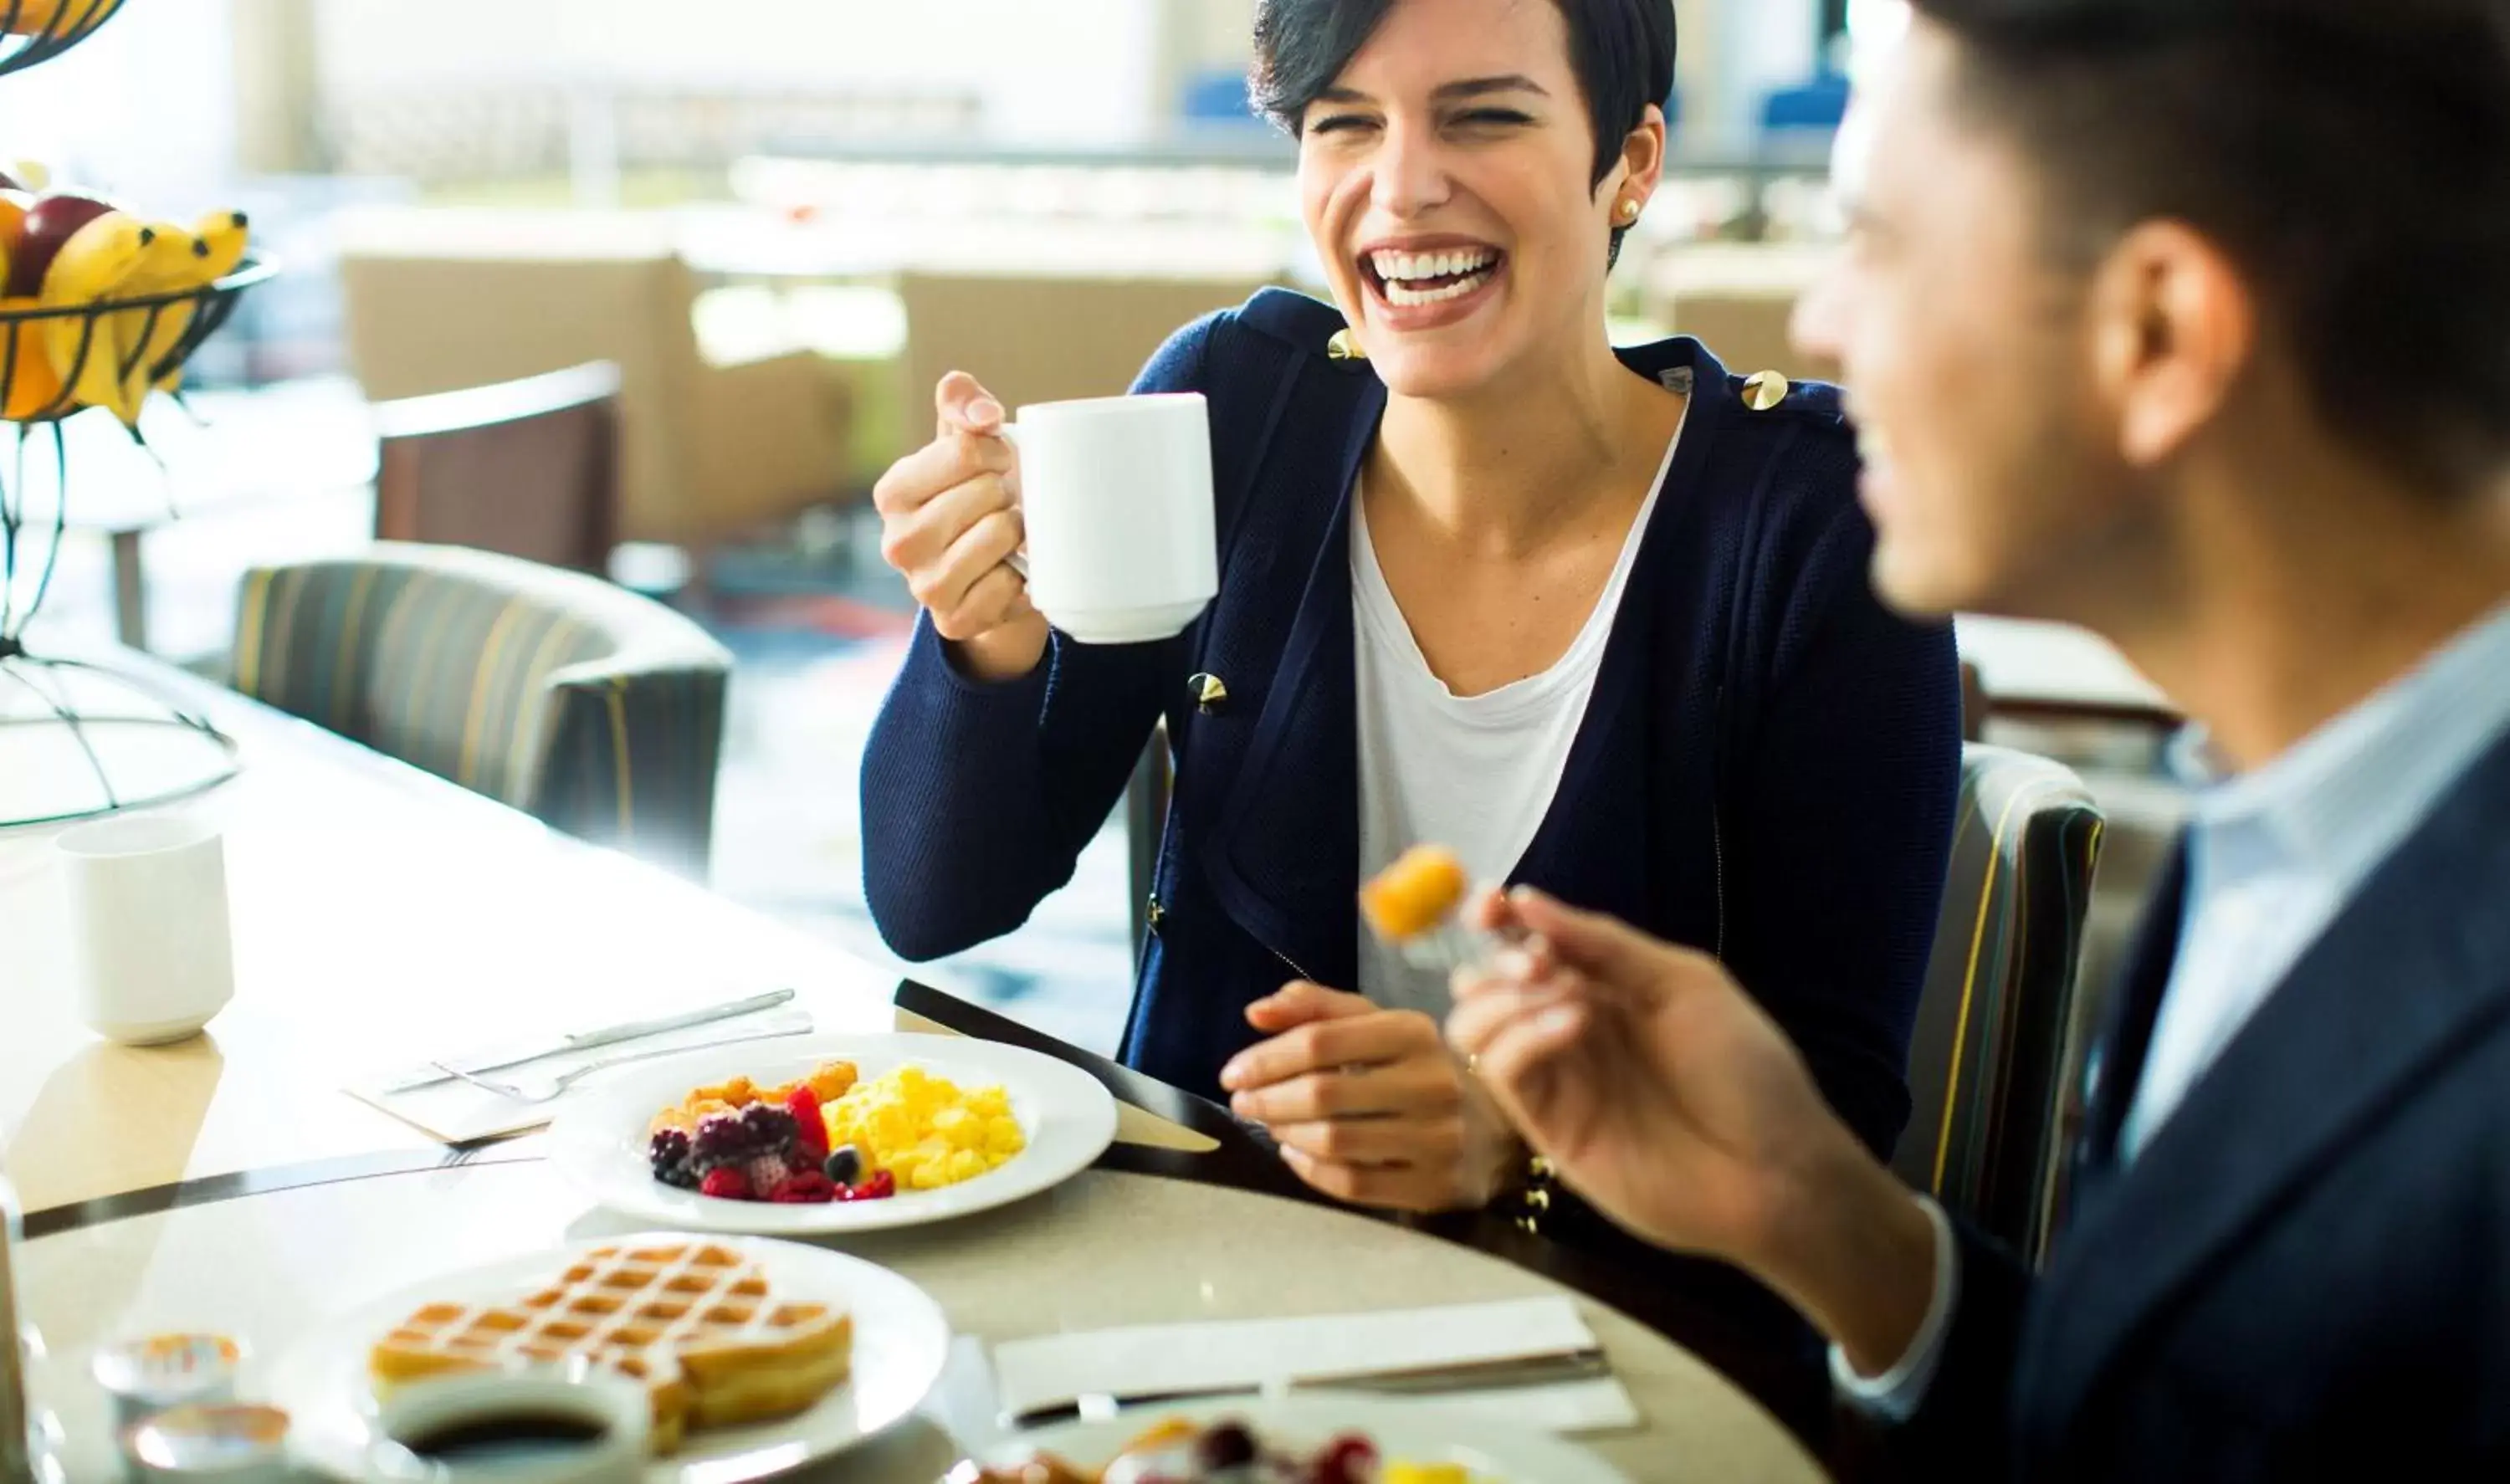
1411	898
1416	903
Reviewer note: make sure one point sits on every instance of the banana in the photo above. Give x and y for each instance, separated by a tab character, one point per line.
228	234
146	338
89	266
223	237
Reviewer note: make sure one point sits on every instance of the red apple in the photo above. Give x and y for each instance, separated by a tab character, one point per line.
49	222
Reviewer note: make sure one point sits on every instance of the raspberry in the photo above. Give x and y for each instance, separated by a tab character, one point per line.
810	1188
1347	1459
880	1187
767	1171
727	1182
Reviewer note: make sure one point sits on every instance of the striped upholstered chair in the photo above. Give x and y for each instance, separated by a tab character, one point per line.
2001	1032
596	710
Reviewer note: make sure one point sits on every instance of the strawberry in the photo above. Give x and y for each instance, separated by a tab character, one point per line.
880	1187
727	1182
809	1128
810	1188
767	1171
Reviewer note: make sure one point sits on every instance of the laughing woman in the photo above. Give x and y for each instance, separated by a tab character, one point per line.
1597	620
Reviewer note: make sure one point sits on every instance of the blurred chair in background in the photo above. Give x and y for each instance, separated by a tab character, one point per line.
1045	339
444	300
1738	299
1218	99
1817	104
1996	1059
598	711
528	467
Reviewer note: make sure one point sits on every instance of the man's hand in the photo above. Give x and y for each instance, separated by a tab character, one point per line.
1673	1104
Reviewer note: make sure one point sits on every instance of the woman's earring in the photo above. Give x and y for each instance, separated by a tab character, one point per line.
1345	345
1627	212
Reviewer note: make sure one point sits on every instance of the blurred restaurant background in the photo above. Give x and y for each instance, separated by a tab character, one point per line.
755	232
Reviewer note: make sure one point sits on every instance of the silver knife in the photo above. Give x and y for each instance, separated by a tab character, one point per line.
1508	1374
607	1035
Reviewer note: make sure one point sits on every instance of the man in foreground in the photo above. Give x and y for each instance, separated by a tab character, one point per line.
2186	320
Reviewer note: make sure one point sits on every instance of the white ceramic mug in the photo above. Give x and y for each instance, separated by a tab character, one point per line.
149	941
1116	495
416	1428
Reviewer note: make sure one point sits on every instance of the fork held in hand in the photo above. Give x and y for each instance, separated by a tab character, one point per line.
544	1089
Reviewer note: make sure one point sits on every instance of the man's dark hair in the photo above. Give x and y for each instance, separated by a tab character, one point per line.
1621	50
2352	156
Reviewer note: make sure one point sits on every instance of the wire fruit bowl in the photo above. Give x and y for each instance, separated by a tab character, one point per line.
36	383
39	30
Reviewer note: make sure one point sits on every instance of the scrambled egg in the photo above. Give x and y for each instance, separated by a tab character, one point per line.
924	1129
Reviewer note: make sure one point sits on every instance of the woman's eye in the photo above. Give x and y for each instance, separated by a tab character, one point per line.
1339	123
1494	118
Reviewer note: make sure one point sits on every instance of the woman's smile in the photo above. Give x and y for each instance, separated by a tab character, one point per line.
1429	283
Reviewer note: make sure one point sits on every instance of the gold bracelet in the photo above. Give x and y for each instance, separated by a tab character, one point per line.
1534	1196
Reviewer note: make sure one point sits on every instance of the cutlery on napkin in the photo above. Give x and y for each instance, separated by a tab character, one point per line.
1532	1360
456	1112
526	1051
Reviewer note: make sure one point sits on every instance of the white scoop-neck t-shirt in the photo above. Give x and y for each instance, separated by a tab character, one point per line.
1475	774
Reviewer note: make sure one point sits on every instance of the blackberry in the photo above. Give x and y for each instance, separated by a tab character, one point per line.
670	1154
721	1140
768	1128
1228	1445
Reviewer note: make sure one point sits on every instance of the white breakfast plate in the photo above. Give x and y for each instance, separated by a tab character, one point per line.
1490	1453
901	1340
1067	1115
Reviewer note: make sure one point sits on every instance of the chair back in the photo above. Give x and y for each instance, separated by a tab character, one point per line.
594	709
1037	339
528	467
1998	1025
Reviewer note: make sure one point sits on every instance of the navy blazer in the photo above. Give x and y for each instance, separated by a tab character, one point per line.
2305	1273
1768	767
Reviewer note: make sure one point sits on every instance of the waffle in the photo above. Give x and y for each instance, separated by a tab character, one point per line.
695	1324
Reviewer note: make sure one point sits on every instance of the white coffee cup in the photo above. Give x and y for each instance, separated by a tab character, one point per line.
1116	495
448	1430
149	941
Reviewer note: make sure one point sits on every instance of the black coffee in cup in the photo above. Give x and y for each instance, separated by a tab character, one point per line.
503	1441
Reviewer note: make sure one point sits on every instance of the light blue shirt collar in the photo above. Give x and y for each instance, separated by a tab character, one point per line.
2337	803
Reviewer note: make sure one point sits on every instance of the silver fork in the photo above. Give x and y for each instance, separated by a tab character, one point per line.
542	1090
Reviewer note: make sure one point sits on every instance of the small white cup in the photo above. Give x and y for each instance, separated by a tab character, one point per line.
149	941
432	1411
1116	495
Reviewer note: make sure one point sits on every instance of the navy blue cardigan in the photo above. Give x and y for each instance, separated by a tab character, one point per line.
1766	769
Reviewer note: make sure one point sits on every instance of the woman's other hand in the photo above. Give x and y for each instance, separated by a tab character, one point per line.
1368	1105
950	522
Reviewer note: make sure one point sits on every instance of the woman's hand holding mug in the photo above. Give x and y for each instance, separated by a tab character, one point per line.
950	523
1094	517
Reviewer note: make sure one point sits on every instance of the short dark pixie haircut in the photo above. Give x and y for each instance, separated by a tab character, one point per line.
2352	156
1621	50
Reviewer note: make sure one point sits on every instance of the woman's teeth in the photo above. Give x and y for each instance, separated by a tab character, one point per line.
1431	278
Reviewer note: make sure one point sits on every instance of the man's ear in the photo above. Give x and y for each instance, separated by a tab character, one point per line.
2173	326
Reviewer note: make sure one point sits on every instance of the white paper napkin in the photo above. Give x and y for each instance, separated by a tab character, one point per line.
457	1112
1254	1355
